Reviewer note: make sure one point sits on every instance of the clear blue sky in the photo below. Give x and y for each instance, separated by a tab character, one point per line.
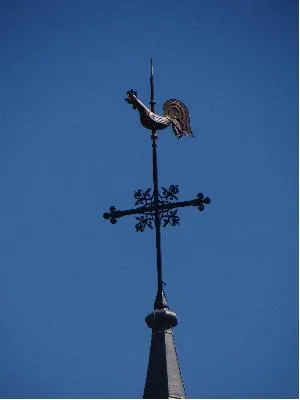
74	288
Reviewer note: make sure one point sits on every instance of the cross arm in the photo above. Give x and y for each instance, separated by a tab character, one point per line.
114	214
199	201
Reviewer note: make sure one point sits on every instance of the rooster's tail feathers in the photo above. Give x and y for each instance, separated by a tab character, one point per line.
178	115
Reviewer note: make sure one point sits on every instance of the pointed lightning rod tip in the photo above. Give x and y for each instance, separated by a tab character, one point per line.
152	101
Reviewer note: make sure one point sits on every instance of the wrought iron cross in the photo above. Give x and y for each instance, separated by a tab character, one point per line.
155	208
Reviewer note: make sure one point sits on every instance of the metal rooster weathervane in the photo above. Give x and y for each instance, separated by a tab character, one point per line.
155	208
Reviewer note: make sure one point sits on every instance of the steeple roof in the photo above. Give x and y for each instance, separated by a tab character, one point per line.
163	376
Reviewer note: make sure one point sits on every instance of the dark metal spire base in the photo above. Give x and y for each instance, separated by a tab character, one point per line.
164	379
160	301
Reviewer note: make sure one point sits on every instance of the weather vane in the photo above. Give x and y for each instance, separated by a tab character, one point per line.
154	208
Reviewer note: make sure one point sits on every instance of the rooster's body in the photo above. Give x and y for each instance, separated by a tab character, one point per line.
175	114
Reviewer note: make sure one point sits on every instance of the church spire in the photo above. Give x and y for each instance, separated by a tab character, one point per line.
164	378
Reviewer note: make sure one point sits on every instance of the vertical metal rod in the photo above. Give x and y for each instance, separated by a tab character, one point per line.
155	190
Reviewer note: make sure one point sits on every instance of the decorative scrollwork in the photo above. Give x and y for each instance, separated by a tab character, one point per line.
170	217
144	220
169	194
143	198
164	206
